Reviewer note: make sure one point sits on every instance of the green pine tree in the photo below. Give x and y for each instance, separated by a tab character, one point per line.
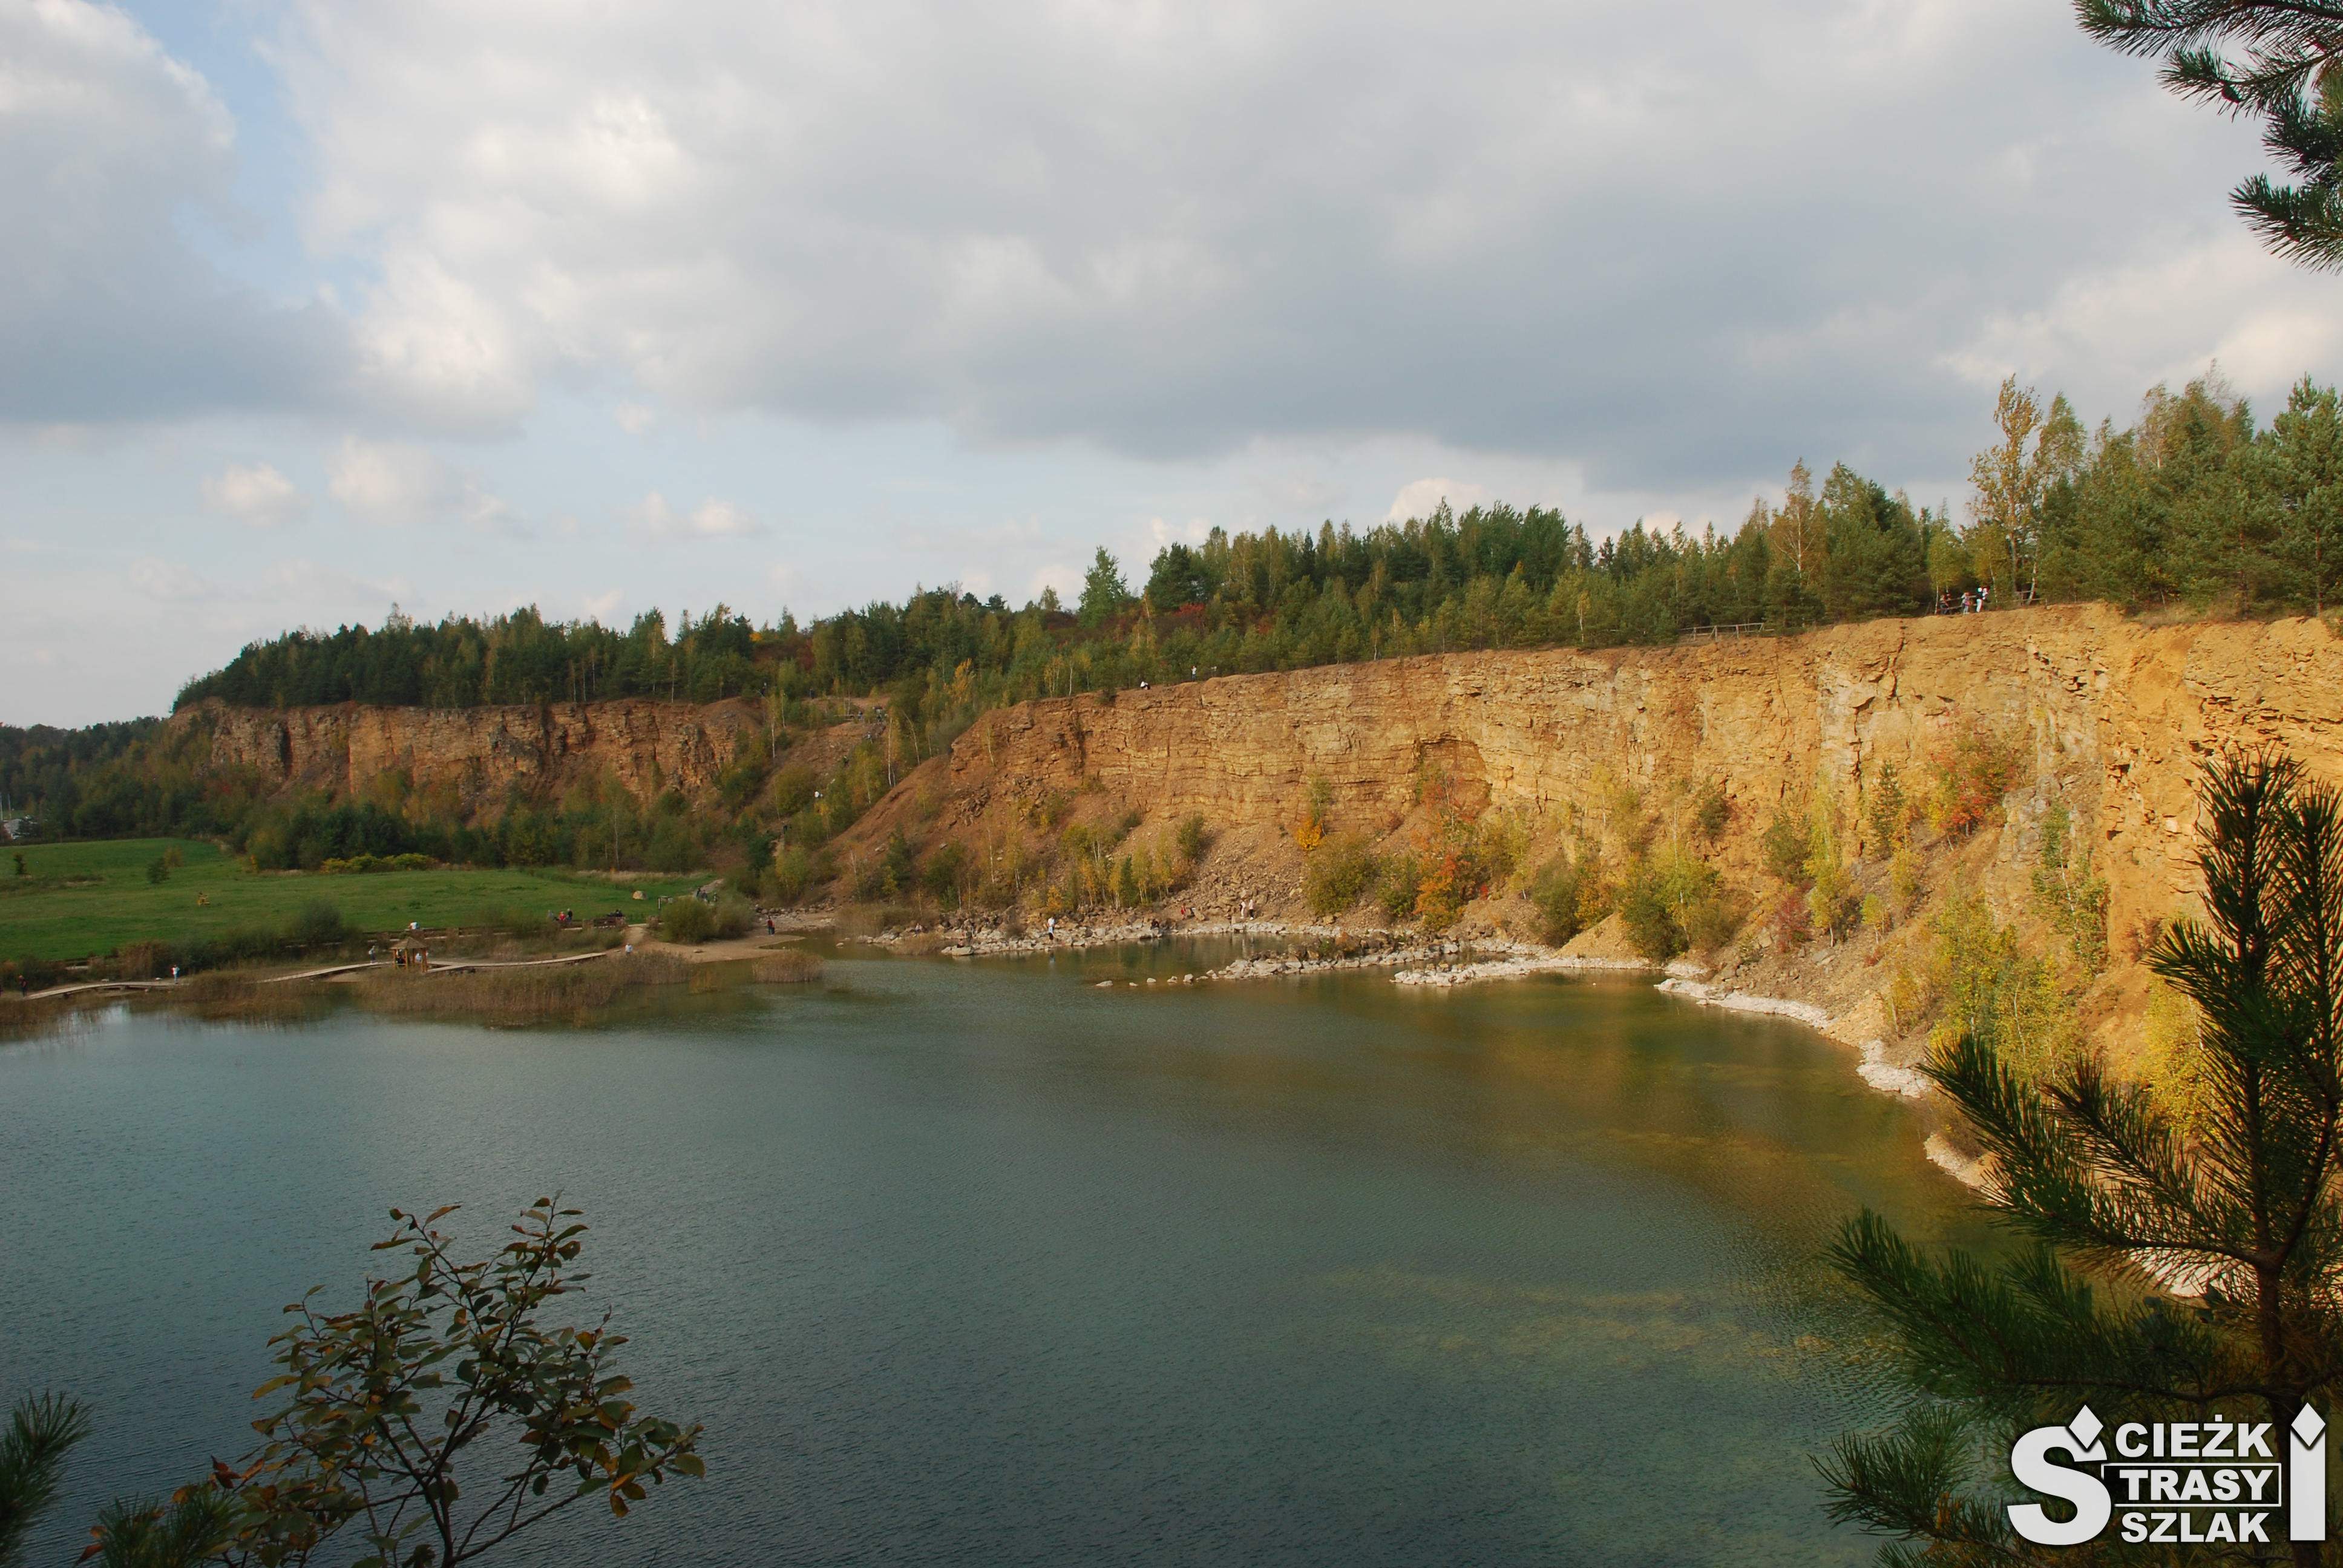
33	1449
2302	469
2236	1194
1104	594
2281	61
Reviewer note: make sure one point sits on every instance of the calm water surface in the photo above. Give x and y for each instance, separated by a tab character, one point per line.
976	1263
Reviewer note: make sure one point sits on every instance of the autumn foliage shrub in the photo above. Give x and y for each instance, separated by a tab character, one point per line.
1969	774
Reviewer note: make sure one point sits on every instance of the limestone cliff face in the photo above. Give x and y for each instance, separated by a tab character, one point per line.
479	756
2114	715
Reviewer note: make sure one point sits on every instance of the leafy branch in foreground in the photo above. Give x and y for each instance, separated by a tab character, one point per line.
380	1404
2180	1269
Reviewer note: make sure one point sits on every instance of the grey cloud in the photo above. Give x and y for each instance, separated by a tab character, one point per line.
1686	252
1675	254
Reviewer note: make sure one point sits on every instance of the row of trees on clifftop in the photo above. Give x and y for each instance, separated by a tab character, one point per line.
2195	503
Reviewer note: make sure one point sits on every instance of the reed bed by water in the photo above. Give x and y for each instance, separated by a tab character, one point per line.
790	966
32	1018
225	996
548	993
787	967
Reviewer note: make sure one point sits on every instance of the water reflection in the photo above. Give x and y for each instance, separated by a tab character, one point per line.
976	1262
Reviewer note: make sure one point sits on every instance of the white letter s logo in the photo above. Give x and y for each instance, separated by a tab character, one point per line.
2030	1463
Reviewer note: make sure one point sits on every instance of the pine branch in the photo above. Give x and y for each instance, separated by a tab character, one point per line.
40	1433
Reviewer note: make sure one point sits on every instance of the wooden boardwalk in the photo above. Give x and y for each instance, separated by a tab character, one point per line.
332	971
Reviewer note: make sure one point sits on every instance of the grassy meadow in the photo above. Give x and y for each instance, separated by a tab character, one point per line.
76	901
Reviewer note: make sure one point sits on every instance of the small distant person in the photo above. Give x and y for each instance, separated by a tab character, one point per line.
1050	928
175	971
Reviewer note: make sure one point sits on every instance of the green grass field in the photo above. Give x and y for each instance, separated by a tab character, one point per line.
77	901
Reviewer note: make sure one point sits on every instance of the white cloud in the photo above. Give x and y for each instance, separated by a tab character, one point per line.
1161	532
169	582
107	311
1301	493
711	519
436	349
254	494
2107	334
393	484
602	606
634	419
385	483
1421	497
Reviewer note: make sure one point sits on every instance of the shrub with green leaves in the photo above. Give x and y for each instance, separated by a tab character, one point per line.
1715	919
1787	843
1713	811
2071	894
1887	812
791	876
689	920
1403	876
1338	873
1996	990
1673	900
890	874
441	1416
1570	893
319	924
946	873
1650	925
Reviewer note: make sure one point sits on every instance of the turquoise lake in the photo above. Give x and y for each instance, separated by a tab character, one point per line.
977	1263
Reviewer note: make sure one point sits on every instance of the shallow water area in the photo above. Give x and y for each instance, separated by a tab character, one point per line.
974	1261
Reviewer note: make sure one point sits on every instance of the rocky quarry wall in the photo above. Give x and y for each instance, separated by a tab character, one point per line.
2114	717
482	756
2111	716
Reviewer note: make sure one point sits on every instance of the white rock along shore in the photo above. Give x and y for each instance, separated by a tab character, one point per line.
1448	963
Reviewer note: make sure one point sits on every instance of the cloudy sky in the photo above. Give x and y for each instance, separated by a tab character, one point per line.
307	308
